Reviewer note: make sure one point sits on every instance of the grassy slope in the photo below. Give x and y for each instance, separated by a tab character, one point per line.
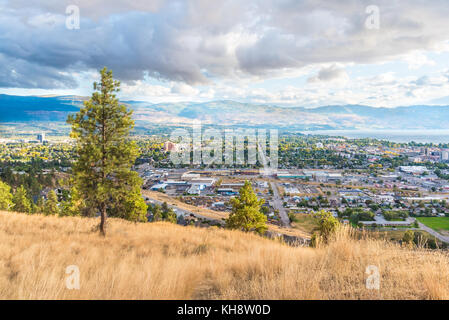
164	261
305	222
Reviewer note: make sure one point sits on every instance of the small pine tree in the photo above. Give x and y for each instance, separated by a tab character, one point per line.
51	205
327	224
157	213
6	197
38	207
73	206
408	237
165	210
21	201
246	214
171	216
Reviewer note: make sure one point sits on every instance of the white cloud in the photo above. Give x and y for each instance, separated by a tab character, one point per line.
184	89
417	60
330	74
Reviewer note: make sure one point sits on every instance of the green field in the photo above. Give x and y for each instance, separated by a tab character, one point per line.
437	223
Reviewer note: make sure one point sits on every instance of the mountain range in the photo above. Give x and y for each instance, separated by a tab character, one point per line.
227	112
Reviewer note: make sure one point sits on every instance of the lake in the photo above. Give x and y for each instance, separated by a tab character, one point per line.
423	136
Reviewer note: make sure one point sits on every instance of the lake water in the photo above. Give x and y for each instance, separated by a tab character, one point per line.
423	136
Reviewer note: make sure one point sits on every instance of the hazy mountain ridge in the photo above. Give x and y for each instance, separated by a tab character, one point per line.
227	112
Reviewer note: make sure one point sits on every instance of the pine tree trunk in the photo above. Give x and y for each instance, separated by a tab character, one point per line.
103	160
103	221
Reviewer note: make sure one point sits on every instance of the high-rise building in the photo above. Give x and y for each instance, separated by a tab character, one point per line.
169	146
41	137
445	155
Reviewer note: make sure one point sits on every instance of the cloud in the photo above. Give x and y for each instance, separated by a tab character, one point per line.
416	60
174	91
201	42
184	89
332	73
18	73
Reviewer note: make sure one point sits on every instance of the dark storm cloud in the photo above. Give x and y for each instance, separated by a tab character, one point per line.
17	73
198	41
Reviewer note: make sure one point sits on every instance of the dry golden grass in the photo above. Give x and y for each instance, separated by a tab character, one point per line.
165	261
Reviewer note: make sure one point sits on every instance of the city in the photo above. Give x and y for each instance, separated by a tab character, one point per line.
375	185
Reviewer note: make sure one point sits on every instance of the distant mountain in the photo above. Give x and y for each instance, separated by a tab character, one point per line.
31	108
329	117
227	112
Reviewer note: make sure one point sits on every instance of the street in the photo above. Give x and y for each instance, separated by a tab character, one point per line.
278	205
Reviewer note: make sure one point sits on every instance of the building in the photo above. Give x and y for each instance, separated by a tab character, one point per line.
291	190
351	194
158	187
413	169
190	175
41	137
334	177
175	182
288	175
169	146
195	189
384	198
206	182
226	191
445	155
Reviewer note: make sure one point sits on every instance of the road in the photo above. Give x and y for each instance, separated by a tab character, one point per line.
433	232
278	205
277	201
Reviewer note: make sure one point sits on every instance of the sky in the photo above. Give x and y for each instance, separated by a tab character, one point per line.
307	53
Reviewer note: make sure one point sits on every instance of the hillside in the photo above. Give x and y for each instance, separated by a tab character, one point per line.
227	112
220	215
165	261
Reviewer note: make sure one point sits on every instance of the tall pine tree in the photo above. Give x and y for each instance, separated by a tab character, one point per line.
105	154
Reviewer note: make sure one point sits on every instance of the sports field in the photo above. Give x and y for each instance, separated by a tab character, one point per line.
436	223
